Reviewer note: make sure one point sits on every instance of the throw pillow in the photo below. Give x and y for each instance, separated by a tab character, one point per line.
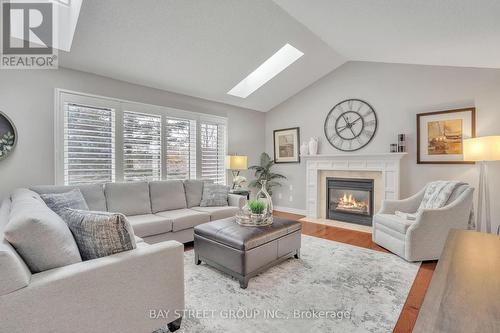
60	201
214	195
194	192
100	234
39	235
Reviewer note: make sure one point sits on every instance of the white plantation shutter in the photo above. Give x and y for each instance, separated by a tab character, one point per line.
141	146
89	144
213	152
100	139
181	148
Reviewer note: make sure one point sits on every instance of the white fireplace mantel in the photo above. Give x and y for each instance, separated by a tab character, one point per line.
386	163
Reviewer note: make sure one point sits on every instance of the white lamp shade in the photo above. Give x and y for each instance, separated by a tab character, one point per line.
235	162
486	148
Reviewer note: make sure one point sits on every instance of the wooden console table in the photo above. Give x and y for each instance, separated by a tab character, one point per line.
464	294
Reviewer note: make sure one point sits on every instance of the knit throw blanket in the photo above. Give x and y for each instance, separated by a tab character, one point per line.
436	195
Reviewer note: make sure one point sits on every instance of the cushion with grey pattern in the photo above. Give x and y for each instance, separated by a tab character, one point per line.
58	202
99	234
38	234
214	195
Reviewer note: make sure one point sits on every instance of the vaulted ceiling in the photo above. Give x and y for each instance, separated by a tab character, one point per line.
204	48
200	48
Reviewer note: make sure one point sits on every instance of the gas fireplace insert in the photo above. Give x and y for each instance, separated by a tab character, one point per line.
350	200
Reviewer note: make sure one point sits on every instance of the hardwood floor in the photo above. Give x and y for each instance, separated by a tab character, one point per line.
409	314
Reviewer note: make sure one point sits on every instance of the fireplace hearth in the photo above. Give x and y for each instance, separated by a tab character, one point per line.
350	200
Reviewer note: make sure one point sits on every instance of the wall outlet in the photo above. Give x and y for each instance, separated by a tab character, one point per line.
291	187
280	196
290	198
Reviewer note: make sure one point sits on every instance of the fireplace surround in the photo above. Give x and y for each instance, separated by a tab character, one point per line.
386	164
350	200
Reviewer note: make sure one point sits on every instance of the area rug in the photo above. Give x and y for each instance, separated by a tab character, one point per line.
334	287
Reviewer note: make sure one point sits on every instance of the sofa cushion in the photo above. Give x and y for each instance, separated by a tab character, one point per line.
184	218
194	192
214	195
128	198
167	195
93	194
60	201
393	222
39	235
148	224
218	213
100	234
14	274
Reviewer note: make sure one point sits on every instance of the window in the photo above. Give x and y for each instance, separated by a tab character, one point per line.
213	152
141	146
181	148
89	144
100	139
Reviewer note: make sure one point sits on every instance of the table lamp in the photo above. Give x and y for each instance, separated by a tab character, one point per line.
482	150
236	163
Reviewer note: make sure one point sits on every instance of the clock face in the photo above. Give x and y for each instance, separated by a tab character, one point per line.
350	125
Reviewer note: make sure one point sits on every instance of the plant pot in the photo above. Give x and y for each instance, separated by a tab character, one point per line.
257	218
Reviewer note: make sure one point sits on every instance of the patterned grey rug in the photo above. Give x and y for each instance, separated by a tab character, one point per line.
334	287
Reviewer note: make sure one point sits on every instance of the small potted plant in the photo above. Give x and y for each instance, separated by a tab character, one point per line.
257	208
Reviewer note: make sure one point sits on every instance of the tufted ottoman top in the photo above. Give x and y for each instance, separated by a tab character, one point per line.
230	233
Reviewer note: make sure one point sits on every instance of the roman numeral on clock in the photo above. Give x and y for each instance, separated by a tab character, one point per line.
349	104
370	122
368	133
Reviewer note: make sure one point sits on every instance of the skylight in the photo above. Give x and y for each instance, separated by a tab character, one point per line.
283	58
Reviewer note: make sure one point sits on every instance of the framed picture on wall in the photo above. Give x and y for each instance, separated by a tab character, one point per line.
286	145
440	135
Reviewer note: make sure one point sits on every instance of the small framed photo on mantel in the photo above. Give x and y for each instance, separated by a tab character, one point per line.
286	145
440	135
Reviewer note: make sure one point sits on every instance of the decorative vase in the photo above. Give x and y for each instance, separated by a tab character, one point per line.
247	218
304	149
313	146
266	198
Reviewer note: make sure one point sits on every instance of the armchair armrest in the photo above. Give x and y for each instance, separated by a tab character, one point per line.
110	294
236	200
408	205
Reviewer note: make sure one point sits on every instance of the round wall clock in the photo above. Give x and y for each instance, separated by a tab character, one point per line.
350	125
8	136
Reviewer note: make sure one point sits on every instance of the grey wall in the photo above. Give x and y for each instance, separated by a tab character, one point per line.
398	93
28	98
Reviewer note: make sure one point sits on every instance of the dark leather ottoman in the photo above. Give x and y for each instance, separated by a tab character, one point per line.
244	252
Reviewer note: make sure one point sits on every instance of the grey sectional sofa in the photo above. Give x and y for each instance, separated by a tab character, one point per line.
109	294
115	293
158	210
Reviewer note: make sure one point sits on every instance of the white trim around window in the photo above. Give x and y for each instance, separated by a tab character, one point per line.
65	140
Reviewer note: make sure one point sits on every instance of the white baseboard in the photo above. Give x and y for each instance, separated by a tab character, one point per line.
291	210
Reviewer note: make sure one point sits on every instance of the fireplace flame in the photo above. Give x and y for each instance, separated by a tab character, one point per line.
348	201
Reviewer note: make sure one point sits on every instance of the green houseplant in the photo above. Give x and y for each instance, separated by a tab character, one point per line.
256	206
264	172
